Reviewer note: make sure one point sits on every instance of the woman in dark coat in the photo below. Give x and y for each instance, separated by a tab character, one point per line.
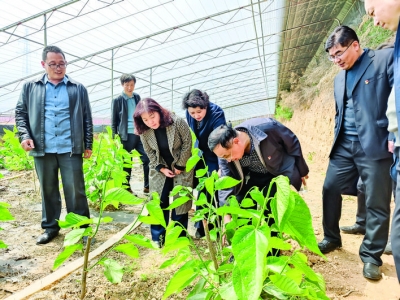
203	117
167	141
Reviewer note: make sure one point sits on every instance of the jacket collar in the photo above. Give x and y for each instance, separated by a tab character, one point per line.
42	78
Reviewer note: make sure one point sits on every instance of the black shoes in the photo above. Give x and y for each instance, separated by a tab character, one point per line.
325	246
353	229
371	271
146	190
46	237
388	248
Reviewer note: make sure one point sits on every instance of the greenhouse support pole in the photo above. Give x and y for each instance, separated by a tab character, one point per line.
45	30
112	74
172	94
151	79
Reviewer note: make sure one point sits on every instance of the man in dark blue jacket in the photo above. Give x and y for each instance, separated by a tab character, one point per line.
360	146
122	110
386	13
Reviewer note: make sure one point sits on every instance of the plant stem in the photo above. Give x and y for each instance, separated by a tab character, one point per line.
84	269
210	245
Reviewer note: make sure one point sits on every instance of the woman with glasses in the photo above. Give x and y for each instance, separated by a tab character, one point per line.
167	141
203	117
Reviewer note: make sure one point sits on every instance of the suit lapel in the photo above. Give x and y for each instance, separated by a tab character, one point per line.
340	89
366	61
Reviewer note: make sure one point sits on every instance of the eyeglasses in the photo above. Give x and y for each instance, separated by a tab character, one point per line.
55	66
339	55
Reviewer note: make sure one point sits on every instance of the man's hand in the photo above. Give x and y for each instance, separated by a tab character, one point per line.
391	146
167	172
87	153
303	180
177	172
27	145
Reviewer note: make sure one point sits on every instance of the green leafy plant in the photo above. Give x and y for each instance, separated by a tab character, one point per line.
13	156
106	166
283	113
249	268
5	215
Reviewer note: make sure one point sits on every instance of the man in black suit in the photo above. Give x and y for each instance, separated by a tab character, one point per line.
359	148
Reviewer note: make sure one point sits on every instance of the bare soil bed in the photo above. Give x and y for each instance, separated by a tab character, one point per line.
24	261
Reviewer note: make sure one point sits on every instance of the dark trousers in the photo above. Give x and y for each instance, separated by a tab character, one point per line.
361	209
133	142
158	231
70	167
395	229
347	162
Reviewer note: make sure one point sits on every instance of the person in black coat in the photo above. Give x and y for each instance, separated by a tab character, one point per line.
203	117
360	142
122	123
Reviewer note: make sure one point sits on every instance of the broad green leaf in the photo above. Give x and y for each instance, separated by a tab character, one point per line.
63	256
258	196
155	211
5	214
286	284
192	162
275	292
225	182
201	172
299	225
277	243
139	240
209	184
128	249
182	278
294	274
297	260
72	220
199	292
178	202
149	220
277	264
247	202
227	291
283	202
238	285
112	270
223	269
73	236
176	190
213	234
250	246
3	245
179	243
120	195
202	200
314	290
180	257
172	233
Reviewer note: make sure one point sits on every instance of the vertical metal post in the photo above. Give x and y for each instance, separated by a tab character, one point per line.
151	79
112	74
45	30
172	91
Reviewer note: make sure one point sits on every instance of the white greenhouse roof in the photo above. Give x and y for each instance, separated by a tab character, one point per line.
231	49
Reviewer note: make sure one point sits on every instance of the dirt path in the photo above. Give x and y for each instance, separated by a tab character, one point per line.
24	261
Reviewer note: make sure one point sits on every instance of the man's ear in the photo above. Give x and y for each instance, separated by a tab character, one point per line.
42	62
235	140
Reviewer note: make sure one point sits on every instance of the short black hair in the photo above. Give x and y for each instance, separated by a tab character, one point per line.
223	136
48	49
195	98
342	35
126	78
